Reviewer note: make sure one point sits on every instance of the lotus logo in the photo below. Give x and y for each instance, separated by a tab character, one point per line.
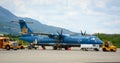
24	30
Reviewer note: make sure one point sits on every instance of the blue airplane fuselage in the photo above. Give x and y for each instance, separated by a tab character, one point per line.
76	40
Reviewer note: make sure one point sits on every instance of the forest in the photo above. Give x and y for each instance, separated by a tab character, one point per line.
114	38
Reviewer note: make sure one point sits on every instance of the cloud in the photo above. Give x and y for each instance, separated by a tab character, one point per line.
84	4
111	23
100	4
75	15
3	2
43	2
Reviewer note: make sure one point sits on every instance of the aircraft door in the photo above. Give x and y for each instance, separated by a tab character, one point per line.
36	41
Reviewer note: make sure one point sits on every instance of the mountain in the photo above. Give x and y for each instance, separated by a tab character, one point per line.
7	27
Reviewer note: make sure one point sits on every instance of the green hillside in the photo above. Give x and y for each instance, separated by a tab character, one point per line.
114	38
7	27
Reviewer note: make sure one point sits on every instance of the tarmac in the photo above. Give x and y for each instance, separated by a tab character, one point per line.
75	55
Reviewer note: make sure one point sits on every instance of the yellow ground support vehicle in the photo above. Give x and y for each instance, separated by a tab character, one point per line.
108	46
5	43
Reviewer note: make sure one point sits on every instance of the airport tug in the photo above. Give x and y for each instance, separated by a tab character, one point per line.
108	46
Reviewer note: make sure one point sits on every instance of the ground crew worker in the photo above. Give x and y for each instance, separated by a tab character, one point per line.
106	44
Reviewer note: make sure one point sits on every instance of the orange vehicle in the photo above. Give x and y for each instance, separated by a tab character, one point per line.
5	43
108	46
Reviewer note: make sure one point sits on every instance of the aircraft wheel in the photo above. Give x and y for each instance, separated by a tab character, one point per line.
66	48
43	47
7	47
54	47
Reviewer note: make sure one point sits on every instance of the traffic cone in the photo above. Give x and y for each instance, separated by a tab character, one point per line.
43	48
69	49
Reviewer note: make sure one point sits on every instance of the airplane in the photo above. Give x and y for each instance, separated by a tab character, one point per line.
58	40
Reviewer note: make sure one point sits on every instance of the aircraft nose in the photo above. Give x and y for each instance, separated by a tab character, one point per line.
100	42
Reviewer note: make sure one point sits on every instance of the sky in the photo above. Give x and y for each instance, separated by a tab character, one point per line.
94	16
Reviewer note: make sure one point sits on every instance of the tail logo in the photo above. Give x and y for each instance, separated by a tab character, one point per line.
24	30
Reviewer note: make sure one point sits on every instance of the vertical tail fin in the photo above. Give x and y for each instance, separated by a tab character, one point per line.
24	28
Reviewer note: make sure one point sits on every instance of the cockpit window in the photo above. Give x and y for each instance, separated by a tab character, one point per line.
93	38
6	40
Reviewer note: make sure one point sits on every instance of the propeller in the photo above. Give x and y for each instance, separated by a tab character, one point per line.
59	38
60	35
83	33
